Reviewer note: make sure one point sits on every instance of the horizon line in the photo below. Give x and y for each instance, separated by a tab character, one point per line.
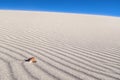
59	12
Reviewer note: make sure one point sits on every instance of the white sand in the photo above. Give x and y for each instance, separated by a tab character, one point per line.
67	46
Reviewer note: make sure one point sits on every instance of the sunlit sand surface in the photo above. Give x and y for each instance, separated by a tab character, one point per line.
66	46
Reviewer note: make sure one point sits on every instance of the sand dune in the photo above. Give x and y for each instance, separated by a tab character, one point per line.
67	46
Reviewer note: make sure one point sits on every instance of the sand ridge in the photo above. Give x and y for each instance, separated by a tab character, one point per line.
66	46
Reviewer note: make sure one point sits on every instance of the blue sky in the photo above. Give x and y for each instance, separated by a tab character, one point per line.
99	7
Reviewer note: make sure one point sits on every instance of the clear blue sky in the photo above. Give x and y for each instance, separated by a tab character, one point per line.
100	7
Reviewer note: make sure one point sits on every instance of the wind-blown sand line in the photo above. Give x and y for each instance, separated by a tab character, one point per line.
47	63
55	52
9	63
23	66
74	45
106	54
94	57
4	56
65	49
5	72
34	71
11	55
28	72
77	48
16	60
102	54
78	63
60	55
78	52
112	52
116	63
50	58
26	57
18	70
97	54
19	54
54	65
82	52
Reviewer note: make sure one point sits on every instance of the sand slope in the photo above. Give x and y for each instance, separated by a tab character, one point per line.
67	46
